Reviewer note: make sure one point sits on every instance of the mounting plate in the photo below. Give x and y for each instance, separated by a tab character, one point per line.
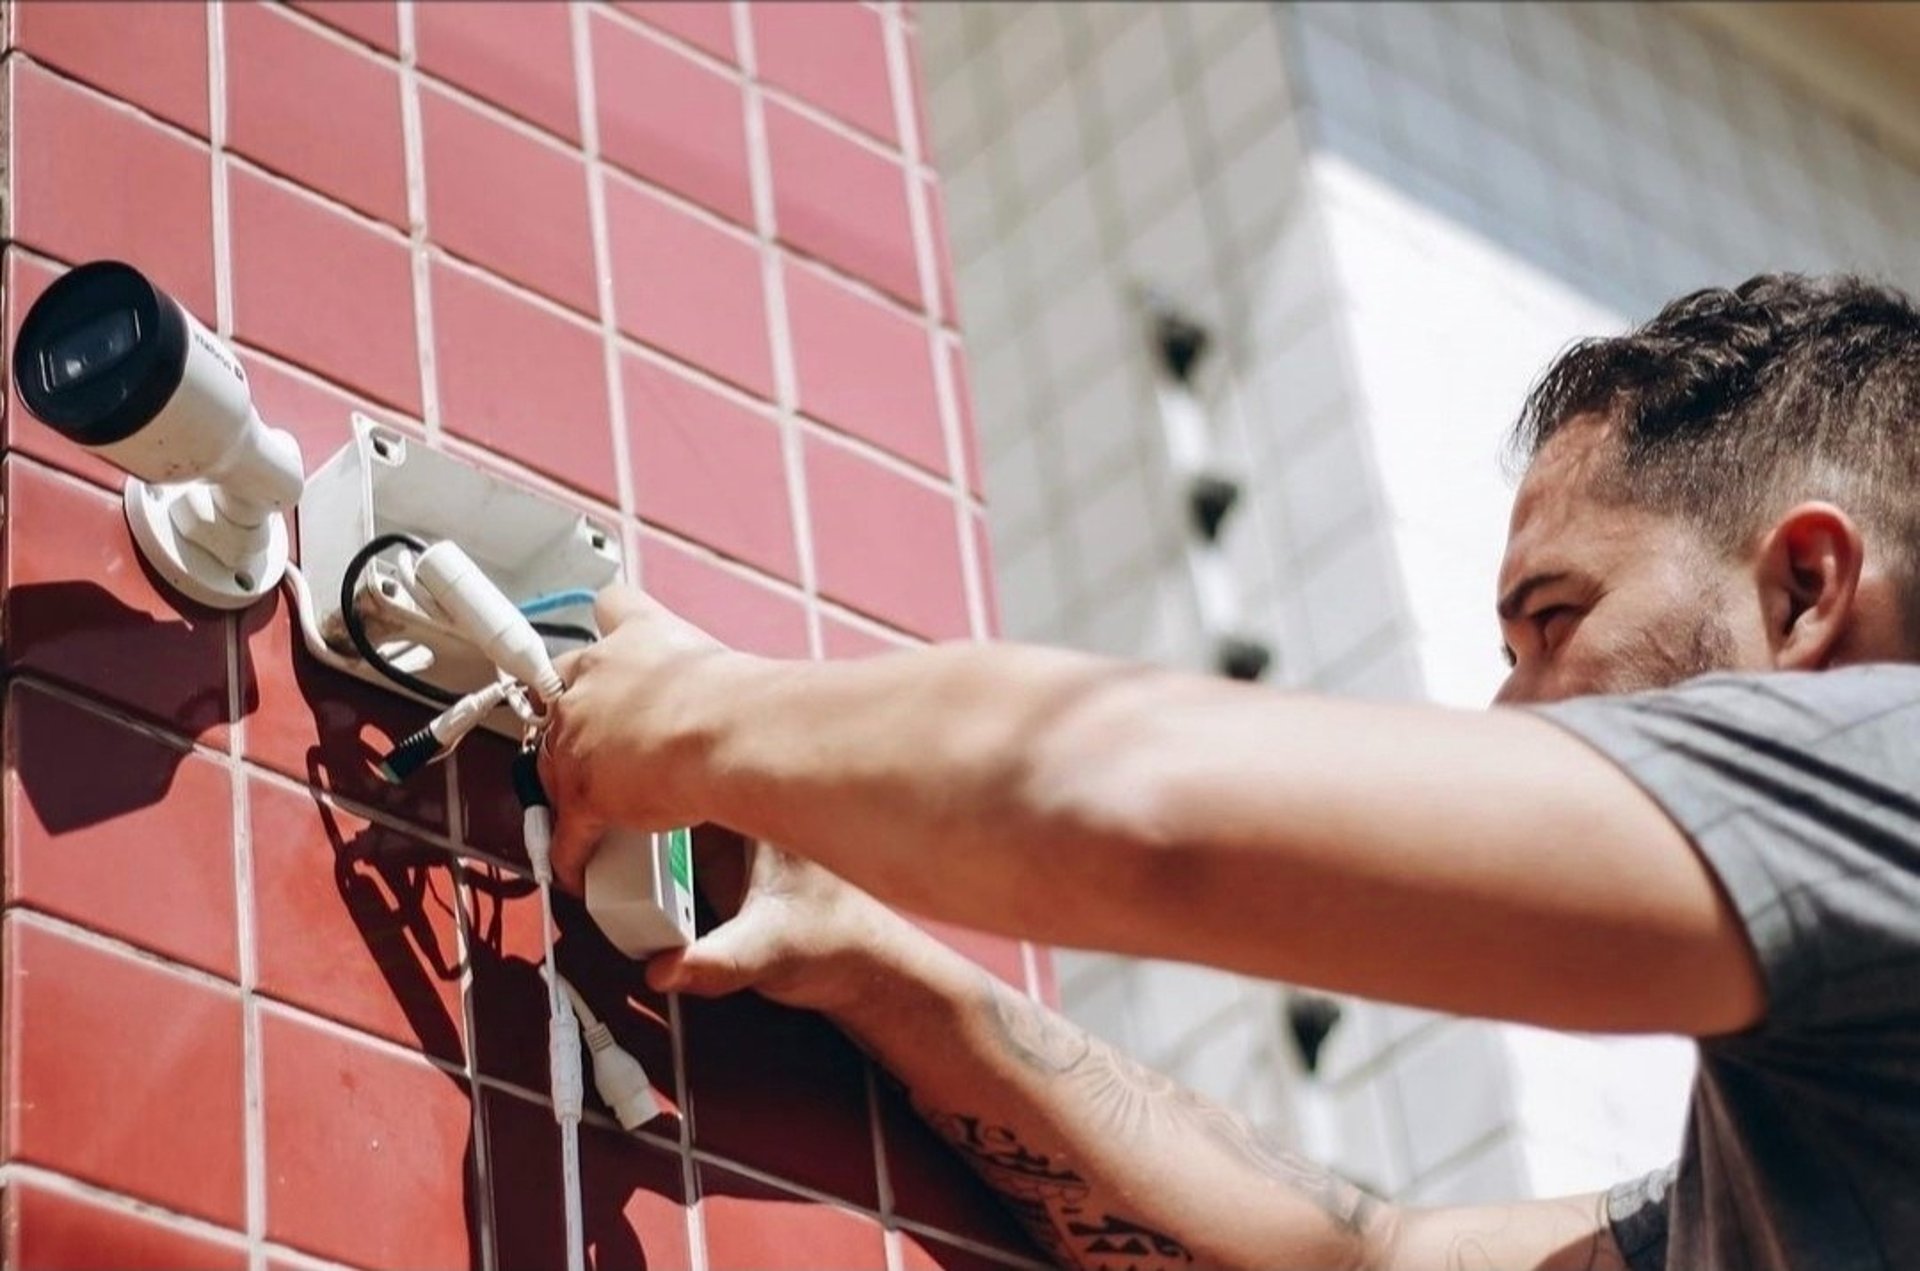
191	569
383	482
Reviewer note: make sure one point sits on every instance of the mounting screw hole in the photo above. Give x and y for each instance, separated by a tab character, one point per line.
598	540
243	580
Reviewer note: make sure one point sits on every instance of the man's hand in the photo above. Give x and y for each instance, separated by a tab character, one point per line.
621	747
790	931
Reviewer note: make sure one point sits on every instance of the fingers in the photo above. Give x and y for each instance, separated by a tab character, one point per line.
617	604
567	664
727	959
574	838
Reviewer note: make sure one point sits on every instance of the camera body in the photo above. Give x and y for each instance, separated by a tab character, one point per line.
112	362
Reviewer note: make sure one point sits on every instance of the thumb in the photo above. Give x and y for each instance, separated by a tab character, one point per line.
615	605
727	959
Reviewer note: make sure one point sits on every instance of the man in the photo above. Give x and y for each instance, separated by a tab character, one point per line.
1729	488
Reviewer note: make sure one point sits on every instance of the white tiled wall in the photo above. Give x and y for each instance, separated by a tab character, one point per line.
1391	216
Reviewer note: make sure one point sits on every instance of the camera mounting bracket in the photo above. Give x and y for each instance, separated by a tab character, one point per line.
200	554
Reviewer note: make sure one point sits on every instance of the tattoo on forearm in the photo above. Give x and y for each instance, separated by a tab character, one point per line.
1053	1201
1134	1105
1134	1100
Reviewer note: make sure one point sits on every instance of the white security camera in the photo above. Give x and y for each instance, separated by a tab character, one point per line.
110	361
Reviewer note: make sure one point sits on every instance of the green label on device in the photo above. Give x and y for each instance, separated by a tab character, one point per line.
680	857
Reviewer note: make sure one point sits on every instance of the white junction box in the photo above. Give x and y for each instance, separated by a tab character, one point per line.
384	482
640	890
639	885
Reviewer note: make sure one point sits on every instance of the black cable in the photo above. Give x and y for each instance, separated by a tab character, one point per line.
564	631
357	631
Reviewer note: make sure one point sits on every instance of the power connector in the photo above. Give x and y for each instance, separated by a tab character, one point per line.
445	577
617	1075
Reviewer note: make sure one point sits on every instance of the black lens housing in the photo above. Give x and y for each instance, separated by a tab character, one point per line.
119	399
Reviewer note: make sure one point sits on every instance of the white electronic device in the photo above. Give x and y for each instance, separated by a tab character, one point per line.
640	890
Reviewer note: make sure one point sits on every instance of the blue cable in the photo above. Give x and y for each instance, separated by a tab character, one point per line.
555	601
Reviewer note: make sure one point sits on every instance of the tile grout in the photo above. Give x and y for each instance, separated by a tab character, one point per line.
253	1070
398	234
937	298
779	327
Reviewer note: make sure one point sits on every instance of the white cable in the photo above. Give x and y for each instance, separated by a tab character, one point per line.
310	626
617	1075
451	726
563	1037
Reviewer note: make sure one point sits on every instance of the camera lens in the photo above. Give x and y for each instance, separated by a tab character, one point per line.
100	353
90	350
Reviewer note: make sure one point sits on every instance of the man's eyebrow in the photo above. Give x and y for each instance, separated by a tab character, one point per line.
1515	600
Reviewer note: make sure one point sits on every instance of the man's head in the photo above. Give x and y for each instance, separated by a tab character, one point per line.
1733	485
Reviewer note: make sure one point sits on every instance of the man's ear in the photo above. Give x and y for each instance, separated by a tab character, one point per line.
1809	574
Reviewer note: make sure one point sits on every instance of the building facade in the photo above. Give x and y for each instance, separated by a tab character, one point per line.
1387	217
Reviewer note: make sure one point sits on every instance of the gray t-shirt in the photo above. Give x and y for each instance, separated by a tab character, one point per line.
1802	792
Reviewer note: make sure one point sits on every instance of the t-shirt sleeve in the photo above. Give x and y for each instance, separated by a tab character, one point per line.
1802	793
1637	1211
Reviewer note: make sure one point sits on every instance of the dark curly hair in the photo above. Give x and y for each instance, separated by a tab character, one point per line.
1732	405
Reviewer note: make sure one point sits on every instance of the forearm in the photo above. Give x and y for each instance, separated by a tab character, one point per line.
951	781
1106	1163
1384	850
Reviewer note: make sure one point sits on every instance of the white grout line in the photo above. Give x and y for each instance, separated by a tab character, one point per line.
102	942
886	458
906	119
745	74
79	1189
416	238
22	1172
348	1033
779	328
253	1072
801	1190
8	77
683	1144
414	143
589	1115
482	1163
254	168
883	1179
334	35
602	256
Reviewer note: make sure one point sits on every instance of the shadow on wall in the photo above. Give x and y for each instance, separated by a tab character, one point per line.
389	883
509	1017
91	619
408	900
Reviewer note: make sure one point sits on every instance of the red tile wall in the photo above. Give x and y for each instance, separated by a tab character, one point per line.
543	238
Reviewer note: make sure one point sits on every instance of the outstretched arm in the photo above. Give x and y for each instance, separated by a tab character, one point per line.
1483	863
1107	1164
